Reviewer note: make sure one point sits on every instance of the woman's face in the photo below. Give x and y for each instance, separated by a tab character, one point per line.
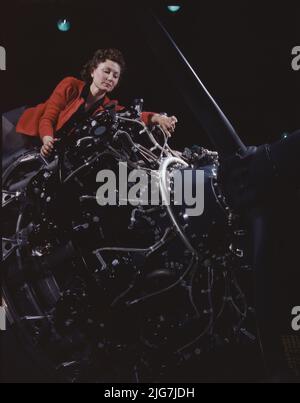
106	75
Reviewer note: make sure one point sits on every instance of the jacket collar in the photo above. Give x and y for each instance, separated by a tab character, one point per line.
85	92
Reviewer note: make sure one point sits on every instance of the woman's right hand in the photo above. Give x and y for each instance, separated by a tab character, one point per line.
48	145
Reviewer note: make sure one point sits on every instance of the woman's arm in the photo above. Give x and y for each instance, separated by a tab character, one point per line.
55	105
167	123
57	102
47	147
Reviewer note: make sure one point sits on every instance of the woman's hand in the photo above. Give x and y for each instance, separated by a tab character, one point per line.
48	144
167	123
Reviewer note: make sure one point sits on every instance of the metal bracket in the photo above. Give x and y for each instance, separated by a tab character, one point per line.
9	197
8	247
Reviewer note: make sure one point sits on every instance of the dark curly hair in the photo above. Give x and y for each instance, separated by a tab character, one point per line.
100	56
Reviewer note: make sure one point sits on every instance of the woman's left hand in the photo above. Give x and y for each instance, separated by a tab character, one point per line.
167	123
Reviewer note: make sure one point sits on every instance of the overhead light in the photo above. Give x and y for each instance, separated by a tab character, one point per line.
174	8
284	135
63	25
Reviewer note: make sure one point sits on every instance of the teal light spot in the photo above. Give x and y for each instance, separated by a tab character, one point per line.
63	25
174	8
284	135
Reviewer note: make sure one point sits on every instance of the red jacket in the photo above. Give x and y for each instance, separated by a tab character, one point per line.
46	118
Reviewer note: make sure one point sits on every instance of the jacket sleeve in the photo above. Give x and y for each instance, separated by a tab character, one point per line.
146	117
55	105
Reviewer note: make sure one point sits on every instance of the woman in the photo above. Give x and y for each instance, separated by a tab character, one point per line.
73	100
